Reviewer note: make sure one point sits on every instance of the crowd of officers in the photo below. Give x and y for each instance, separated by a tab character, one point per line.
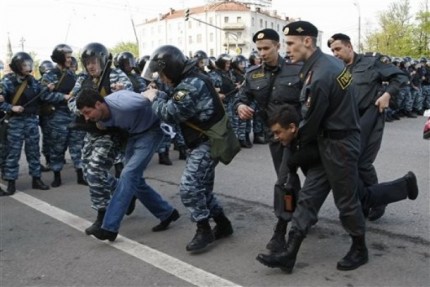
250	91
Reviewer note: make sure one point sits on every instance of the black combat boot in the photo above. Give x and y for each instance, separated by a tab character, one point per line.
98	223
163	158
165	223
202	238
223	227
80	177
182	153
376	212
248	140
287	258
356	256
38	184
245	144
259	138
411	181
103	234
389	192
57	179
10	189
118	169
277	243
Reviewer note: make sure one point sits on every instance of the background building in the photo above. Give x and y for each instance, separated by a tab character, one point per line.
217	27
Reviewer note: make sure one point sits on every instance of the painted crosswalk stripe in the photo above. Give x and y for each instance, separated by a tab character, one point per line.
165	262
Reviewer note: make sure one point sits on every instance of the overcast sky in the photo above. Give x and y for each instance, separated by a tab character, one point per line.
40	25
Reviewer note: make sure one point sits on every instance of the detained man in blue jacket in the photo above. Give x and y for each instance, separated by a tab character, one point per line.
131	113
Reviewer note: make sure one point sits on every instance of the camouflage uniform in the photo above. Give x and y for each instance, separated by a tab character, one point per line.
193	101
23	127
100	149
61	136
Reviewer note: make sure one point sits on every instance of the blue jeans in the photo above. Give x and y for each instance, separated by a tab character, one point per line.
138	153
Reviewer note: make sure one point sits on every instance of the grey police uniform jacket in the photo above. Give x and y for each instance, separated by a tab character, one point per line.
270	88
328	103
368	72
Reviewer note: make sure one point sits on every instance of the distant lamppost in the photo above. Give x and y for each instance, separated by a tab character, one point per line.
356	4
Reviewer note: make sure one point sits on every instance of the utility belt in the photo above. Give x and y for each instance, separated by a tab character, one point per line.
336	134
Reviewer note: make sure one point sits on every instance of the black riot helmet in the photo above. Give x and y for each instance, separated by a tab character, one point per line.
252	58
59	53
141	62
21	61
200	55
221	60
74	64
237	60
95	50
126	59
167	60
45	66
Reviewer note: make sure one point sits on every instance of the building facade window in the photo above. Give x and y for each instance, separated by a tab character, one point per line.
199	38
225	19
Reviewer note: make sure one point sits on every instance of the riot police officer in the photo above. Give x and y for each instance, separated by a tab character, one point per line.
62	137
22	98
196	103
101	148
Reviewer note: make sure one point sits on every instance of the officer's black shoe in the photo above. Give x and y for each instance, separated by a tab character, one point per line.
357	255
11	189
277	243
4	192
44	168
245	144
376	212
165	223
104	234
259	139
202	238
411	180
223	227
98	223
182	153
38	184
410	115
388	119
57	179
163	158
248	140
131	206
80	177
287	258
118	169
395	116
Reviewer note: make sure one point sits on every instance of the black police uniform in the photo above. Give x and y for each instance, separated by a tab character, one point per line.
368	72
330	115
270	87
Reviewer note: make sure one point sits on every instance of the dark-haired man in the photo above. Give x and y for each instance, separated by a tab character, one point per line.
284	124
132	113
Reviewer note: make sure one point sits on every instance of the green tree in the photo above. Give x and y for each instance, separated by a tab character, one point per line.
400	33
422	31
125	47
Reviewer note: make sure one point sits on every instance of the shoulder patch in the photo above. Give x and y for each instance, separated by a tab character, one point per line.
344	79
179	95
257	75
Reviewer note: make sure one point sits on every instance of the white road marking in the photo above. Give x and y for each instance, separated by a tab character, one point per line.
167	263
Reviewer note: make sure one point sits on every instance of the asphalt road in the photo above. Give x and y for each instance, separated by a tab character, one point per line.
42	242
